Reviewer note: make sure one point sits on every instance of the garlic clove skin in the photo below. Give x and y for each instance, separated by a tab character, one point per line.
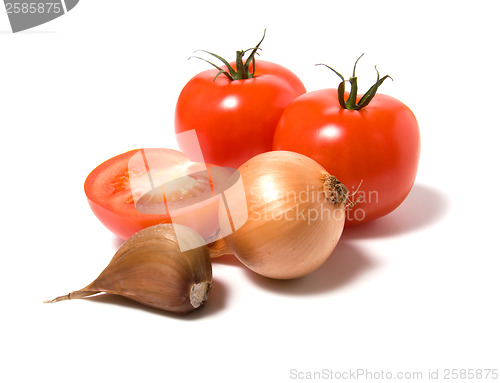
150	268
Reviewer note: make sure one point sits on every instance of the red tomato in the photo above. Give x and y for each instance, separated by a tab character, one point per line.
235	119
376	148
121	195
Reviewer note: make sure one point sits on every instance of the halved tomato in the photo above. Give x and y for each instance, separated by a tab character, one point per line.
145	187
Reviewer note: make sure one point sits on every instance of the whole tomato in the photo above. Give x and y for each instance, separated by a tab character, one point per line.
370	142
234	109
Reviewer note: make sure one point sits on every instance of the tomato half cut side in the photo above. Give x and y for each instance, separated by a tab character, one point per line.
136	189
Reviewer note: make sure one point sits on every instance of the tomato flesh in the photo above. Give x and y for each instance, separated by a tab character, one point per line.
128	194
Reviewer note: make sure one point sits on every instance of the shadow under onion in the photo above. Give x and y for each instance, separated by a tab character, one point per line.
347	263
227	260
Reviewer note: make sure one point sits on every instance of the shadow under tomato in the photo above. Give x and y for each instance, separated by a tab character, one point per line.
347	263
424	207
215	303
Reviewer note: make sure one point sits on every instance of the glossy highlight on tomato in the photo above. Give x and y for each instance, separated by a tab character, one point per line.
235	120
374	151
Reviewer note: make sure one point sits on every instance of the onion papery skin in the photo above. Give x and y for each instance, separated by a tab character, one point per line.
292	228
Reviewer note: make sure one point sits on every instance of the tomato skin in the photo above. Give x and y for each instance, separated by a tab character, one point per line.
122	225
376	148
235	120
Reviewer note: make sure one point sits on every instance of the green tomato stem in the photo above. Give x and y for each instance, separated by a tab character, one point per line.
351	103
242	71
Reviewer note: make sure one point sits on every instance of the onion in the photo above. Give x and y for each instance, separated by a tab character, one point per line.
296	214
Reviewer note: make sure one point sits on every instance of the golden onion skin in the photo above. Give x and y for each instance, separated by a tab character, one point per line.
292	227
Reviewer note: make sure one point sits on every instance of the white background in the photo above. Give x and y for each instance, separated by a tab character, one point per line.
414	291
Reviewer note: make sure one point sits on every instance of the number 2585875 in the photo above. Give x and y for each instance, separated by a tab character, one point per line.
33	8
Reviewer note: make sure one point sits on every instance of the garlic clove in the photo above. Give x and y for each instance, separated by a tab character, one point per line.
151	269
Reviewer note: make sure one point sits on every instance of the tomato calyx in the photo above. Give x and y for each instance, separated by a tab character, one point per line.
351	103
242	71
